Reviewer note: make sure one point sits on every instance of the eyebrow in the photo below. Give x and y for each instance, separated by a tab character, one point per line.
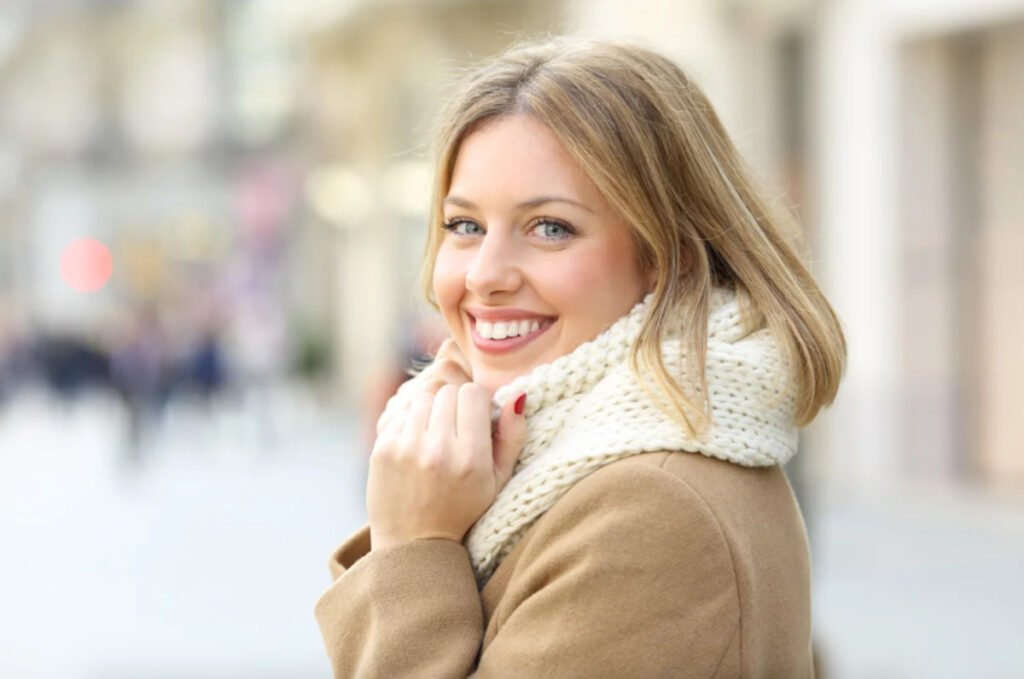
531	203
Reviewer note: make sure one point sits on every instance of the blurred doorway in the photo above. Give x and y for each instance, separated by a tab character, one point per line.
962	213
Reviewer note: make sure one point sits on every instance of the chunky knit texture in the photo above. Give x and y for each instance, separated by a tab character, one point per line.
587	409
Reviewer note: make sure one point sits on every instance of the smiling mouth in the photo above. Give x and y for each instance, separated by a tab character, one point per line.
502	336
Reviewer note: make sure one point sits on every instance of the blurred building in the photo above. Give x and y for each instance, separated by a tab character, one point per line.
266	164
167	131
918	164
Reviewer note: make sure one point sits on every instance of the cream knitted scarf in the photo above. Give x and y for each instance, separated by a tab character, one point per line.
586	409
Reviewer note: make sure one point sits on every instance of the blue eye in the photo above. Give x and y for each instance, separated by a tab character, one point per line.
553	230
463	227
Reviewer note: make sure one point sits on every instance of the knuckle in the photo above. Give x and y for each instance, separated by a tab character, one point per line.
398	401
465	468
389	415
429	461
449	352
383	448
455	377
448	390
425	381
422	399
433	385
435	446
385	418
405	445
446	346
473	390
439	363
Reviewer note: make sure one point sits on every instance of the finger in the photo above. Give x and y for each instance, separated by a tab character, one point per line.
384	421
434	377
395	410
450	371
418	416
474	413
450	350
509	439
420	382
442	414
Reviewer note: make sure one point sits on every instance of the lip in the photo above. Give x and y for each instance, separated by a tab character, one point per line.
505	346
494	314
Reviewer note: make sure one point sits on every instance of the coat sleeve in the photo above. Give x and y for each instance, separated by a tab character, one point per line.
412	610
627	575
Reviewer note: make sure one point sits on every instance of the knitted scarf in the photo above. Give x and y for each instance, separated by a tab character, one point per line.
586	409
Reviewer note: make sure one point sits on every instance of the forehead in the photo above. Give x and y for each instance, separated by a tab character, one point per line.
518	156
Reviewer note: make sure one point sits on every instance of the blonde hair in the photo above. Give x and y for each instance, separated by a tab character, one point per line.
651	142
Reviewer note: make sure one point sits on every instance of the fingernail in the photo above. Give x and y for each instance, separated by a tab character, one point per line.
520	404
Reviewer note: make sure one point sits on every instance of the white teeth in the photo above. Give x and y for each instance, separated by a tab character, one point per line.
506	329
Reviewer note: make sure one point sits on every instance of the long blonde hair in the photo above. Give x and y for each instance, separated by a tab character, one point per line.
651	142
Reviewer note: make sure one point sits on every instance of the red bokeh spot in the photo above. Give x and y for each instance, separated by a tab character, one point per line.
86	265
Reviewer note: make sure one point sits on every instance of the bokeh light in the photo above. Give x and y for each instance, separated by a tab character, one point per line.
86	265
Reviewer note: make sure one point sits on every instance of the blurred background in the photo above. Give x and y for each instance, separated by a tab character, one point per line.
211	217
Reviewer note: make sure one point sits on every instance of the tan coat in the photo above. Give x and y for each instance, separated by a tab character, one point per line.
657	565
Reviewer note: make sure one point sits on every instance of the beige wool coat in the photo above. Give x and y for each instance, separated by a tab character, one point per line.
656	565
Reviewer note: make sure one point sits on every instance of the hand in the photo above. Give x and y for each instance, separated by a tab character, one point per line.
436	465
450	366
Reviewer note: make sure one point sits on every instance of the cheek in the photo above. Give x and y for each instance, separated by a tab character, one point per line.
598	275
571	282
579	293
449	282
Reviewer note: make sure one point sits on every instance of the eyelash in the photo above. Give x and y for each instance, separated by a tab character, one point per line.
451	224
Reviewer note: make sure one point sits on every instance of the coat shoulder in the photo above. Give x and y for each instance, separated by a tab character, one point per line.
733	495
731	491
648	491
632	553
664	517
632	514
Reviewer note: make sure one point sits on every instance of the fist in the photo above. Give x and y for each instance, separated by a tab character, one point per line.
437	463
449	366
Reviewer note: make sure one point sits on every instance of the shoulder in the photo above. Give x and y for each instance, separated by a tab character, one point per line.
651	484
635	552
637	486
661	507
658	545
730	495
633	511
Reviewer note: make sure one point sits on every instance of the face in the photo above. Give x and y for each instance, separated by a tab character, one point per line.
534	261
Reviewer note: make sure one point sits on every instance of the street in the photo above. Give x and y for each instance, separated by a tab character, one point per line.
205	559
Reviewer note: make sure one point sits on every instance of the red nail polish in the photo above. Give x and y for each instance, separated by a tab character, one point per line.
520	404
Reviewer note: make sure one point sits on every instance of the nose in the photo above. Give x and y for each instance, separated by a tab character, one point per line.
495	267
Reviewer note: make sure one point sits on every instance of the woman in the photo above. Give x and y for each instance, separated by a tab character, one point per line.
628	313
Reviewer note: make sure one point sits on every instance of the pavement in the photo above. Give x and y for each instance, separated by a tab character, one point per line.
921	581
203	558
